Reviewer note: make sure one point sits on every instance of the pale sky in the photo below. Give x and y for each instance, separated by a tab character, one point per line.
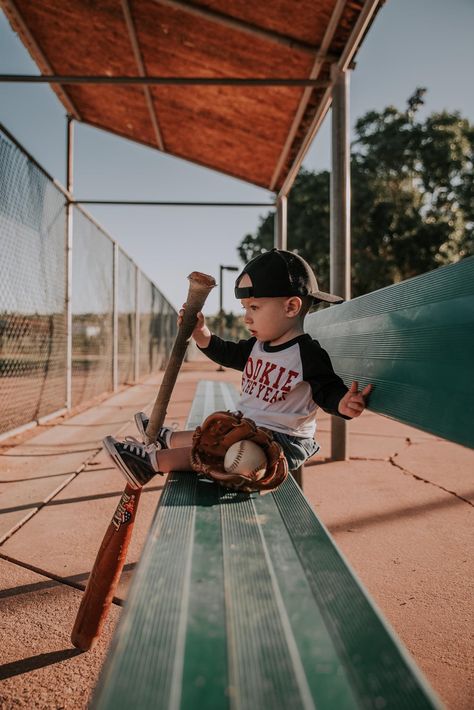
411	43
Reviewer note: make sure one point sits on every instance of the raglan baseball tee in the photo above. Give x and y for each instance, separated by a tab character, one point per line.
282	385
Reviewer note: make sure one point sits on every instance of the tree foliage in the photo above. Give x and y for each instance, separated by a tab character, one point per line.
412	199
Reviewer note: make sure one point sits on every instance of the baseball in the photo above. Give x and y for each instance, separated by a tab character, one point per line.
247	458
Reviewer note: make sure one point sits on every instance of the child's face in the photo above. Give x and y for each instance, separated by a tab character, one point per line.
269	319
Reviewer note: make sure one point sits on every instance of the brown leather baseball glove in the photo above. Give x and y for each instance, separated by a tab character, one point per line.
217	433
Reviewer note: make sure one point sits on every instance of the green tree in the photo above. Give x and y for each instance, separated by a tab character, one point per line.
412	199
308	225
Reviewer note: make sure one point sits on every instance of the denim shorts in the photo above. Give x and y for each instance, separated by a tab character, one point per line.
296	448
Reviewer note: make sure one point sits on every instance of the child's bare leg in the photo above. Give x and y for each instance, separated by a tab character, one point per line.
174	459
181	439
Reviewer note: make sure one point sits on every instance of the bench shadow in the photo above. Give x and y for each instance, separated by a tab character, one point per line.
79	499
77	581
415	511
38	478
99	496
101	424
206	493
34	454
8	670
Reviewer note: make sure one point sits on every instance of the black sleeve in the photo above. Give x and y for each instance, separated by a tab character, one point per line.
228	353
327	388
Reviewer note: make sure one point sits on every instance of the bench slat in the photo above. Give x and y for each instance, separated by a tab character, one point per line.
148	649
381	672
327	678
205	677
265	667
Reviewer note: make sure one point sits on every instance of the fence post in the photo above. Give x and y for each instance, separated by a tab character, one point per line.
137	324
115	278
69	247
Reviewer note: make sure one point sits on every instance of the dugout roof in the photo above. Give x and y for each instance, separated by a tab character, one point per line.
256	133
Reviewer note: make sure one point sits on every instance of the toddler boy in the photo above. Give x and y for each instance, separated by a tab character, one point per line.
286	375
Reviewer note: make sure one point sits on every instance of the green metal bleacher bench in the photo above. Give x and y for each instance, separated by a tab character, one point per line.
415	342
244	601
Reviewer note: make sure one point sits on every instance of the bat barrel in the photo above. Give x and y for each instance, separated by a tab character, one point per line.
105	575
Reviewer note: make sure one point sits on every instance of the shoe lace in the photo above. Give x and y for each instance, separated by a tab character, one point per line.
136	447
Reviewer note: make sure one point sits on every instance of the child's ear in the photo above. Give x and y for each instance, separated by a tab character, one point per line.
293	306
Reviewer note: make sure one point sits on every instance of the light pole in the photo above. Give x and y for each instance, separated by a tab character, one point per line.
223	268
221	271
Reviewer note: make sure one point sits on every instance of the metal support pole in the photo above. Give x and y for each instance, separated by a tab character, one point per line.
221	315
340	238
69	244
137	326
115	277
281	220
221	269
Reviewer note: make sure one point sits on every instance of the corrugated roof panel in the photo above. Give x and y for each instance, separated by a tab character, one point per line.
240	131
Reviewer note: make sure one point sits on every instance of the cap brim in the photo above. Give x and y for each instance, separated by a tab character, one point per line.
326	297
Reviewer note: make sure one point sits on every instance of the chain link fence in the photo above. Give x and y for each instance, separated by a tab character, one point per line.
122	327
126	318
92	309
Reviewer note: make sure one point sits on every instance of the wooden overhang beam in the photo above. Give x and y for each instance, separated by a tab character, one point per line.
303	104
233	23
161	80
16	17
141	70
362	25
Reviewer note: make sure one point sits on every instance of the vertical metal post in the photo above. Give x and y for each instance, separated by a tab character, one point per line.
281	221
115	382
221	269
69	244
137	325
340	237
221	315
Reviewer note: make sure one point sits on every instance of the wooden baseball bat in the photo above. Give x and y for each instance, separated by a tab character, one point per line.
105	575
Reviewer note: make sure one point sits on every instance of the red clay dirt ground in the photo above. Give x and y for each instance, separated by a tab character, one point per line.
400	509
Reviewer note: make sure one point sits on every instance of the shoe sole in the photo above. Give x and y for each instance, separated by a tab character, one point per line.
109	446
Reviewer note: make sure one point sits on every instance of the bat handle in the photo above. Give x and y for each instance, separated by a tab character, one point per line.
200	285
